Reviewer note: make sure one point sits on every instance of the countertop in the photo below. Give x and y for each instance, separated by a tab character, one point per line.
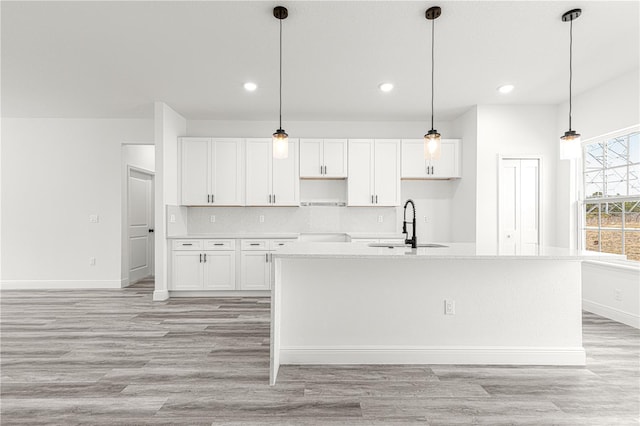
376	235
452	251
235	235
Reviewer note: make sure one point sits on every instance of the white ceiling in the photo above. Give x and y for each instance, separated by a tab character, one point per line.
113	59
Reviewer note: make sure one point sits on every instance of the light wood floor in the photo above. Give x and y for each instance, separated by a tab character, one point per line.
116	357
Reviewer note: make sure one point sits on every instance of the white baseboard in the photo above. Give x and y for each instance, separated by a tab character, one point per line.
160	295
60	284
220	293
611	313
434	355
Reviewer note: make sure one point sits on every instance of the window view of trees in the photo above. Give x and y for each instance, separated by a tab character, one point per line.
612	201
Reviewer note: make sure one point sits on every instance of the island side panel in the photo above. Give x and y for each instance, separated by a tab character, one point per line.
360	310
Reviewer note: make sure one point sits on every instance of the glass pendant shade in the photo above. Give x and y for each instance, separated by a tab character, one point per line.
280	141
570	145
432	145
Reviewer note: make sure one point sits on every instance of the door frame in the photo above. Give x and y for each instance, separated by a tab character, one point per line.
125	215
502	157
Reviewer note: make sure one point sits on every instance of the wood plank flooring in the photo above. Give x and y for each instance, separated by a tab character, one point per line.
116	357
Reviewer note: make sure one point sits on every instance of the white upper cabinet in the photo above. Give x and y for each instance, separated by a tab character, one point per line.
211	172
414	165
374	172
323	158
270	181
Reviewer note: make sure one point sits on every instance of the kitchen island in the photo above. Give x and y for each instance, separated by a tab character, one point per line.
340	303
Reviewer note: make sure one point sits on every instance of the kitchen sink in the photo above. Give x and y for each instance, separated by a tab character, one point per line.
393	245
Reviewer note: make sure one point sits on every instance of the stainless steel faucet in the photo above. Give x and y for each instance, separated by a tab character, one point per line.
413	240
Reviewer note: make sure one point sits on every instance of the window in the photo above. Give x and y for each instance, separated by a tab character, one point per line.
612	195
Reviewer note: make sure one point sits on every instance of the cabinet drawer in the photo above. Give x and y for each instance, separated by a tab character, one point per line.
275	244
254	245
187	244
219	245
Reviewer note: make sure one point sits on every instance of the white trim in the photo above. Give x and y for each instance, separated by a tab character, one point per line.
611	135
611	313
62	284
433	355
627	265
219	293
160	295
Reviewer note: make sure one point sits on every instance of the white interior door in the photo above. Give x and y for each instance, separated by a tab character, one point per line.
519	202
140	224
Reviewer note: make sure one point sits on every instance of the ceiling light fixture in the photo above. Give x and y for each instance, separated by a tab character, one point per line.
506	88
432	145
386	87
570	142
280	137
250	87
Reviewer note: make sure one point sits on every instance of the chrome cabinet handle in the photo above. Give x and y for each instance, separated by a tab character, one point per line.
266	257
218	244
187	244
213	198
320	169
200	257
274	198
269	198
254	244
372	199
208	198
205	258
376	199
431	169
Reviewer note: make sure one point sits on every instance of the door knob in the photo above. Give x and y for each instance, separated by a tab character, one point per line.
151	230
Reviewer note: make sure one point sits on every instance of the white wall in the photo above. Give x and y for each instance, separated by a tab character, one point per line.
463	203
168	127
316	129
144	157
511	130
609	107
55	173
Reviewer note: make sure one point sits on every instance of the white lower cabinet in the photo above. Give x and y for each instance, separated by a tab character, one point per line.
219	270
255	270
216	265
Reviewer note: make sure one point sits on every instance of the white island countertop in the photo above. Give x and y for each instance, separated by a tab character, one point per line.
451	251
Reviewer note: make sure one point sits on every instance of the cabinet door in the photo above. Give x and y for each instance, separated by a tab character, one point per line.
360	181
335	158
387	172
310	158
226	164
447	166
187	270
220	270
414	165
258	172
286	179
195	172
254	270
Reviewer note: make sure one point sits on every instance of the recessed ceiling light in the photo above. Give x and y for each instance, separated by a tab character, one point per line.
250	87
505	88
386	87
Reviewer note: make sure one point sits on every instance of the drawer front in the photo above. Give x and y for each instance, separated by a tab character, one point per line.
219	245
187	244
275	244
254	245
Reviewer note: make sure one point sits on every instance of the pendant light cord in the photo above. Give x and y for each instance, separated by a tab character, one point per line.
570	68
433	22
280	73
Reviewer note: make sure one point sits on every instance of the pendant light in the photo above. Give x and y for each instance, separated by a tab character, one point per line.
280	137
570	146
432	145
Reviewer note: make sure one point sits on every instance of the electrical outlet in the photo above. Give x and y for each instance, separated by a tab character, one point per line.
94	218
618	295
92	261
212	218
426	220
261	218
449	307
172	218
380	219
